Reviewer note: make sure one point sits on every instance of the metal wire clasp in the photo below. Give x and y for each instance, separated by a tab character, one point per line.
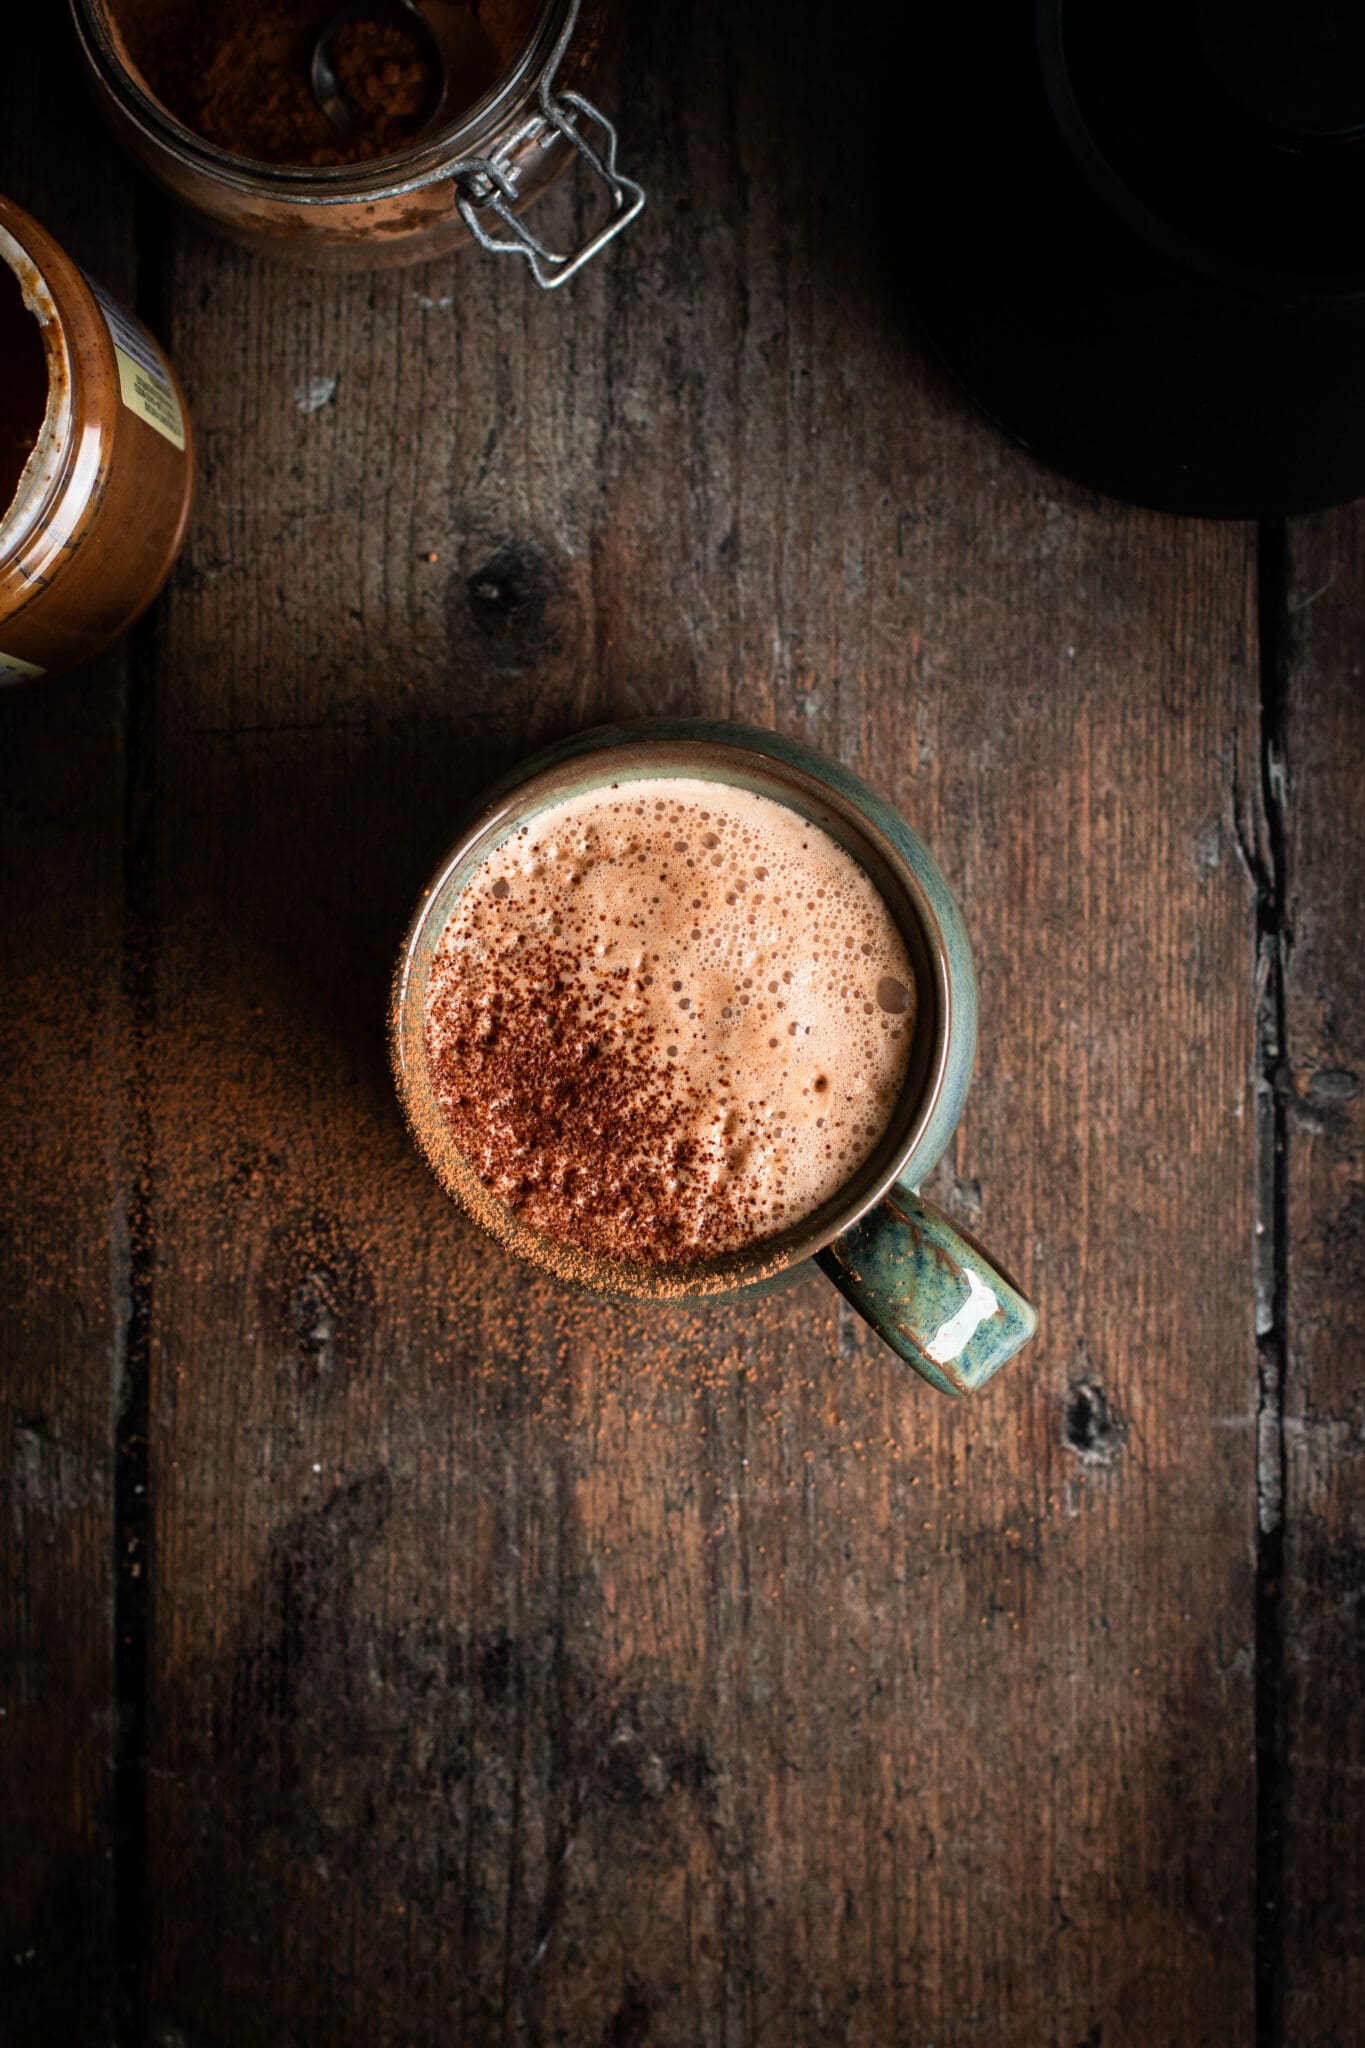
488	184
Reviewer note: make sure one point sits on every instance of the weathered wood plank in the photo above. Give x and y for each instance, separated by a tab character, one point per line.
1324	1406
60	1253
62	1208
526	1668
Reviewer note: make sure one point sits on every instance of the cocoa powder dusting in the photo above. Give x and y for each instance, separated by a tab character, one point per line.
566	1117
636	1039
240	77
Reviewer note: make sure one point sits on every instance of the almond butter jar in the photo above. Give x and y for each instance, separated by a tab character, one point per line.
219	106
95	460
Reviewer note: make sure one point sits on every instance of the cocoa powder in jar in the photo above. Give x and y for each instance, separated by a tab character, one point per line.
240	77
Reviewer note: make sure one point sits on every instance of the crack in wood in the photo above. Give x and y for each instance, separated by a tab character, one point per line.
132	1361
1271	1280
132	1388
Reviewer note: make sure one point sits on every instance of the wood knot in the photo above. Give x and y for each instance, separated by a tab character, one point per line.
1091	1425
511	592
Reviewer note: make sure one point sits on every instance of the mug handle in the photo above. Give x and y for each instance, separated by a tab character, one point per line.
930	1293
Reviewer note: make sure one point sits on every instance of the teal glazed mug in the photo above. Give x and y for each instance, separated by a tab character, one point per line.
927	1289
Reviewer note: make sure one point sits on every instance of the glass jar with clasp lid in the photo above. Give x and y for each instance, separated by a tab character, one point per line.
466	177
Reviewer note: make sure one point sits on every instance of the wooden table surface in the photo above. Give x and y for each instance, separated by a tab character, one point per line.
400	1651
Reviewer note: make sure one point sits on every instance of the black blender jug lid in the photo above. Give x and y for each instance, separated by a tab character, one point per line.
1144	254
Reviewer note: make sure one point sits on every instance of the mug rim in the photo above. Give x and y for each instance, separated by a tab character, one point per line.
677	747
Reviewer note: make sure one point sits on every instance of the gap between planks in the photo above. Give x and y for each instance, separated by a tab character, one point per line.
132	1364
1271	1275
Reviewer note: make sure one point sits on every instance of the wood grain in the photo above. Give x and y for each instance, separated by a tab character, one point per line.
1324	1406
530	1669
524	1668
63	1253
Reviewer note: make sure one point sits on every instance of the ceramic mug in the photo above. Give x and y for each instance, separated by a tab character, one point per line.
927	1289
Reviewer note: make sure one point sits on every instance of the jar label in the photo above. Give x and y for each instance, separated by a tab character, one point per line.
12	670
144	379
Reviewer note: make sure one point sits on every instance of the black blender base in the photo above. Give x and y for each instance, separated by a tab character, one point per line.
1197	357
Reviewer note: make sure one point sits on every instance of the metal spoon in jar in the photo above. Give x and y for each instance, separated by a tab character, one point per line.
403	14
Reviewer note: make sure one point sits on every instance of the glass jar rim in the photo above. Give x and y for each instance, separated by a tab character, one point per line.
424	162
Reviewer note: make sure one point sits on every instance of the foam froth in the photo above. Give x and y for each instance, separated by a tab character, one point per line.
668	1019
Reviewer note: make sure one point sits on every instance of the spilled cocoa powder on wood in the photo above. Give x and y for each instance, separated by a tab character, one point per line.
240	77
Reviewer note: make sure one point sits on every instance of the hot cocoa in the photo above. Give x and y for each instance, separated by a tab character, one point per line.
668	1019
